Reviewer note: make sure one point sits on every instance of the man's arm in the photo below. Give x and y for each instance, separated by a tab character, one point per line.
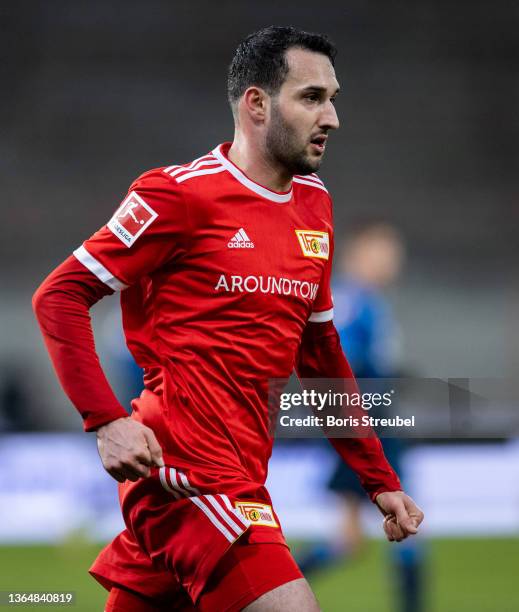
61	304
111	259
321	356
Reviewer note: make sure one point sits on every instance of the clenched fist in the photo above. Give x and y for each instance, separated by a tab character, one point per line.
128	449
401	515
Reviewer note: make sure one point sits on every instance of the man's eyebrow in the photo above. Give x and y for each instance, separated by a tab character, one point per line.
319	88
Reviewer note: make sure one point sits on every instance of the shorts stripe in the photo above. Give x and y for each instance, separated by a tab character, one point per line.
223	514
176	483
217	508
185	482
236	514
165	483
202	504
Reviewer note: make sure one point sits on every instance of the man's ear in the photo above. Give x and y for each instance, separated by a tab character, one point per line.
254	103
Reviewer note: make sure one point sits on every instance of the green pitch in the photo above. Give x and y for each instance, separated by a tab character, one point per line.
472	575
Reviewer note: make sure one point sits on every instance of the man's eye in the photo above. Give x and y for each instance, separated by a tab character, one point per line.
312	97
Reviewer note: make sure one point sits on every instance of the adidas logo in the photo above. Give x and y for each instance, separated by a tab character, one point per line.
240	240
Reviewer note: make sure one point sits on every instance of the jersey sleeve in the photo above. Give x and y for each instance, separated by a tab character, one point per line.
61	306
148	229
323	304
321	356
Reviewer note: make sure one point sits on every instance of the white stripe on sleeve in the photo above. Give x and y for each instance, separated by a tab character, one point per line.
188	175
200	164
321	317
97	268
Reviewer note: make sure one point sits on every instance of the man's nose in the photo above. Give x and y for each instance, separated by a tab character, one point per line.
329	118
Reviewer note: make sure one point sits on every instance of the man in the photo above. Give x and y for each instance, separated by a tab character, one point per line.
370	263
225	284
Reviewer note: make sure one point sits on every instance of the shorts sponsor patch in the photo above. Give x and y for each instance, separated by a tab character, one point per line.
314	244
257	514
131	219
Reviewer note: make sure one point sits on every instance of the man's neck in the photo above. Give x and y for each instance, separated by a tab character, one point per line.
254	163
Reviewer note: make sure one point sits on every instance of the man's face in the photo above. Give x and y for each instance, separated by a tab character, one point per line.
303	112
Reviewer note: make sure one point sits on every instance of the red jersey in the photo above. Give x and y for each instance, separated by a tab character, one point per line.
221	276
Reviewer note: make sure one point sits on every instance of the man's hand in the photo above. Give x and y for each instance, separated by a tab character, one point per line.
401	515
128	449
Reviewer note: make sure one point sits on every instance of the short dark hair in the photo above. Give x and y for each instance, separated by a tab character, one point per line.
260	59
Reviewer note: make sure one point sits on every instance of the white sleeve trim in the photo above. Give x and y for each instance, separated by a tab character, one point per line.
321	317
97	268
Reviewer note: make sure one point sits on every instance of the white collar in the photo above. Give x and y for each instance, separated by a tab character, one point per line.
280	198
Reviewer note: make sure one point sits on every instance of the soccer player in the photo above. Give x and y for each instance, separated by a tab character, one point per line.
371	262
223	265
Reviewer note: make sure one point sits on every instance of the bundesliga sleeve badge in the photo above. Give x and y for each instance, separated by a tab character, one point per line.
131	219
314	244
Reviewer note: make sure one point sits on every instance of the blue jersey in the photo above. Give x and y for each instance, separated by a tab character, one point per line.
370	338
368	330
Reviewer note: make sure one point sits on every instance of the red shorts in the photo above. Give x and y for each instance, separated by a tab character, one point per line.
185	543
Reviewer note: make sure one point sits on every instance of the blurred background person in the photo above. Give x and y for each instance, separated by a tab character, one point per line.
368	265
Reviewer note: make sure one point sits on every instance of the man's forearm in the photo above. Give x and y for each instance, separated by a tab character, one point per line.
61	305
321	356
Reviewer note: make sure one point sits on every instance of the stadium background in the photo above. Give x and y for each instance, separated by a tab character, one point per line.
95	92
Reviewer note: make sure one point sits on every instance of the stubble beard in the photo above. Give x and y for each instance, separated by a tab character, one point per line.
282	143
